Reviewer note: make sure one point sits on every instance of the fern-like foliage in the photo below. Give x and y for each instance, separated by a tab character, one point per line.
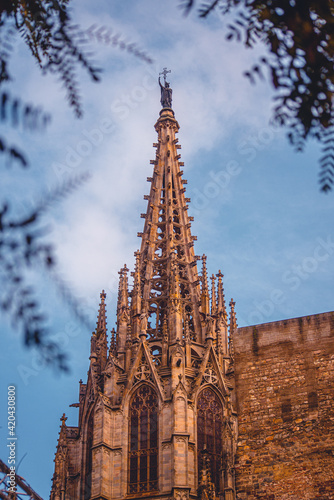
327	160
61	48
23	250
7	36
12	153
207	7
106	36
16	113
53	39
299	36
186	5
58	45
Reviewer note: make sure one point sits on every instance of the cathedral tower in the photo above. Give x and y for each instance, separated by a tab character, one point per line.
156	416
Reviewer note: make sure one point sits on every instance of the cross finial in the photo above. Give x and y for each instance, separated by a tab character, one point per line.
166	91
220	274
164	73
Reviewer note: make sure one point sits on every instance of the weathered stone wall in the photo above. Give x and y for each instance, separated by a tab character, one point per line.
285	403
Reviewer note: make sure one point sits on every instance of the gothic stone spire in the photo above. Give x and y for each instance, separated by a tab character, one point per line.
61	463
101	325
122	308
233	327
169	345
99	342
166	238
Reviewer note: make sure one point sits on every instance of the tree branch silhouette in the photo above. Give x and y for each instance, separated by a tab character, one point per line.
61	48
299	37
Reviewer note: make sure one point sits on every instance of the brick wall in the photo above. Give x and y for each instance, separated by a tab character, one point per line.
285	404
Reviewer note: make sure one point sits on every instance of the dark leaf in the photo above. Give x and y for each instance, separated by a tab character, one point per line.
16	155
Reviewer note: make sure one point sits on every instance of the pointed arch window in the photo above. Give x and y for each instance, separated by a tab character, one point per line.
143	445
209	432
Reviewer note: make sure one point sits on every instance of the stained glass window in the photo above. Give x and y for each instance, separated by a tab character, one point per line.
143	446
209	432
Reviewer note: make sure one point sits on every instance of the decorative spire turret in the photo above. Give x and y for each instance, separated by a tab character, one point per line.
233	317
233	327
123	315
99	342
101	325
222	334
112	349
136	301
205	298
213	296
123	292
221	297
61	463
167	238
136	295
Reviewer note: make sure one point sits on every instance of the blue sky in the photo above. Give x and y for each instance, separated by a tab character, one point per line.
259	215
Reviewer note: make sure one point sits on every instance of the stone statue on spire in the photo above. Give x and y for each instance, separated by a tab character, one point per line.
166	91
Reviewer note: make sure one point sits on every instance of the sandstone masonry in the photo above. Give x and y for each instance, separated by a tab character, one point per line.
284	374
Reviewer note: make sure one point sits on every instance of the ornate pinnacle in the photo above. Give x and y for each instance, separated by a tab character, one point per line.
112	349
187	331
205	288
136	284
123	292
221	298
101	325
93	346
123	312
125	284
120	283
128	337
233	318
233	327
99	347
62	440
213	296
136	291
204	274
